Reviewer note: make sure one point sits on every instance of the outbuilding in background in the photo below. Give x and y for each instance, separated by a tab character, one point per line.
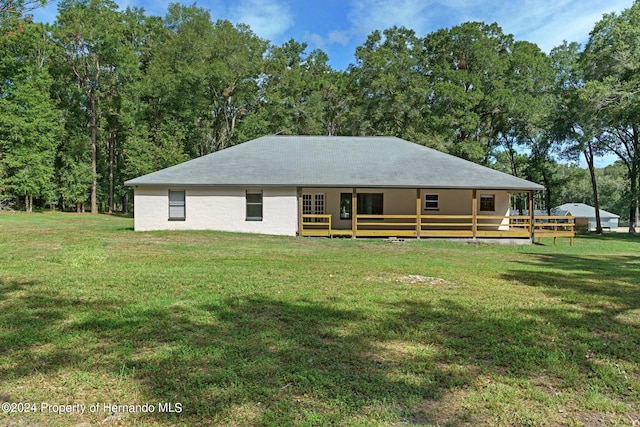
586	215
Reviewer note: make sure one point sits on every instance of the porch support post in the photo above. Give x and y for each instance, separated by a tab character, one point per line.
300	211
354	213
418	212
531	217
474	213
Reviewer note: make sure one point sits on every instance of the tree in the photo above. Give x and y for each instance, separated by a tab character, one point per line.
576	122
202	80
467	66
151	136
389	89
11	9
299	94
611	61
90	42
29	121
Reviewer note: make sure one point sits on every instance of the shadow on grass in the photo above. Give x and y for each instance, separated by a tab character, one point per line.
259	360
595	309
613	278
255	360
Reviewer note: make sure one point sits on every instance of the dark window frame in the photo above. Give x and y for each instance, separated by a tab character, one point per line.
178	204
345	205
488	202
429	203
254	209
374	206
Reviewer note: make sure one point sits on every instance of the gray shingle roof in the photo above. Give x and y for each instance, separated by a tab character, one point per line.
322	161
582	210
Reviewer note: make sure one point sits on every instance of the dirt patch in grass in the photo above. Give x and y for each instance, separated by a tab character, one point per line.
412	279
449	410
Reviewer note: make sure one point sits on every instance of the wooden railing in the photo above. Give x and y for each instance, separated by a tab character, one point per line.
386	225
554	226
461	226
446	226
316	225
507	226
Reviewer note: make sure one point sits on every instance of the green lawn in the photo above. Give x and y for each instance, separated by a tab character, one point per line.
235	329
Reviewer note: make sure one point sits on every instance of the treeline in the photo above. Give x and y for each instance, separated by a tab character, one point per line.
105	95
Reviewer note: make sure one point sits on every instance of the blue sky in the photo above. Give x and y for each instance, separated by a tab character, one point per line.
339	26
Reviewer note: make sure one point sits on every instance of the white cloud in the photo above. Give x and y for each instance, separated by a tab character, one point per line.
315	40
544	22
570	20
339	37
267	18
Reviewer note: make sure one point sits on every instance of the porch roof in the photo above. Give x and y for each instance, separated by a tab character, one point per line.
322	161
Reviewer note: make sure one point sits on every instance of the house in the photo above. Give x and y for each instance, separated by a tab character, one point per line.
586	215
333	186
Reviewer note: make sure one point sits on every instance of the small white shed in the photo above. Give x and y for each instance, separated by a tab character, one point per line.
587	213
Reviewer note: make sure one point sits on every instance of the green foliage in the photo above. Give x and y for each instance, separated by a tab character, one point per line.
389	89
137	93
612	184
203	77
29	122
467	69
299	94
611	61
75	178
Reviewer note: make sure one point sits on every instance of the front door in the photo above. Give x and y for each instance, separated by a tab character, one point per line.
313	204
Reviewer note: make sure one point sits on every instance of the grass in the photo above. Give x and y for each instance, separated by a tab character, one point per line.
234	329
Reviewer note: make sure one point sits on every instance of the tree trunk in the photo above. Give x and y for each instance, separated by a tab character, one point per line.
112	155
94	145
125	203
588	154
547	192
633	205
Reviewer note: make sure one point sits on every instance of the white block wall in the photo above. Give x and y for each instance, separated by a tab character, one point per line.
217	208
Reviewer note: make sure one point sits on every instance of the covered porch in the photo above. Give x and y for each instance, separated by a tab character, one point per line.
414	213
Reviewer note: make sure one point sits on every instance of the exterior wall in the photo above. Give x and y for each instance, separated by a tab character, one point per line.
502	205
224	208
451	202
396	202
217	208
606	223
403	202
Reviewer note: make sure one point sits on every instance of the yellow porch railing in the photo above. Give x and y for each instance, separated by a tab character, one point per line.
554	226
460	226
316	225
385	225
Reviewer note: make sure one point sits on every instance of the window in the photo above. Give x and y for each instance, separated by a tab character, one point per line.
313	204
431	202
254	205
370	204
176	205
487	202
306	204
319	199
345	205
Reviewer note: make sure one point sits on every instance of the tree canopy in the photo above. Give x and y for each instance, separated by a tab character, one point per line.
104	95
